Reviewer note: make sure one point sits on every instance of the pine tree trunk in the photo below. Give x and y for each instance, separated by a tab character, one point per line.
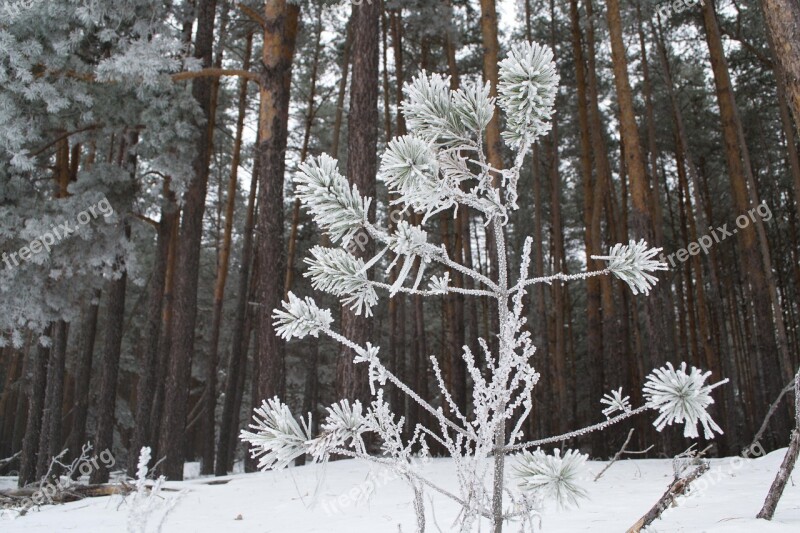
50	441
165	339
210	398
783	22
143	427
109	368
228	428
762	341
641	220
309	121
184	305
362	165
83	374
279	44
721	318
36	398
494	144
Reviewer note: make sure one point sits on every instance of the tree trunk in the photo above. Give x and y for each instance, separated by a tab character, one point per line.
109	367
783	22
184	305
641	220
762	341
83	374
50	441
362	165
30	443
239	339
280	35
494	144
143	427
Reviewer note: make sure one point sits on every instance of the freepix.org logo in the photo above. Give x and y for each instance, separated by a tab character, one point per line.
670	7
56	234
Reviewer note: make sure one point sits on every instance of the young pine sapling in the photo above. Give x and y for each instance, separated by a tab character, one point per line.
441	165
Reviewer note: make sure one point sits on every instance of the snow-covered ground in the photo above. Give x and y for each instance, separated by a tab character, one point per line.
330	499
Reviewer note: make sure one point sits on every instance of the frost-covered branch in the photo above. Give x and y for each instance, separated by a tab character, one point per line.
559	277
577	433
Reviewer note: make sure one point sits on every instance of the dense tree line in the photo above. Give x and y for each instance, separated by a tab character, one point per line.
153	326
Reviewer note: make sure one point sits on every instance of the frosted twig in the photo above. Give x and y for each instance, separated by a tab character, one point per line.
459	290
402	386
577	432
560	277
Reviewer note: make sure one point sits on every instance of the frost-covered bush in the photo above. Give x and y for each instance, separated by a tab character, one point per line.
148	508
440	166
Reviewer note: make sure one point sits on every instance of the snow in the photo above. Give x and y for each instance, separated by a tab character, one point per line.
330	498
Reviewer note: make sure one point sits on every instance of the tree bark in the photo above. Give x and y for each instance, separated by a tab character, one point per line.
783	22
640	218
280	35
109	368
50	441
30	443
362	165
184	305
762	341
143	427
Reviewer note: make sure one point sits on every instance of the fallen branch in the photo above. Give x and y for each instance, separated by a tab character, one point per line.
677	488
9	460
69	494
789	460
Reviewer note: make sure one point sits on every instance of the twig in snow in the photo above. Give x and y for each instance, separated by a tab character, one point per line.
619	454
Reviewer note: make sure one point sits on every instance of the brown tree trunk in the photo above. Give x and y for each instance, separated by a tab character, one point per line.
783	22
210	408
109	367
164	340
228	427
309	121
362	165
280	35
176	389
494	144
762	341
30	443
50	441
83	374
720	321
641	220
143	427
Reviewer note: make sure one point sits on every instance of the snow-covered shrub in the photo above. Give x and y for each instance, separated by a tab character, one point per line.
440	166
147	508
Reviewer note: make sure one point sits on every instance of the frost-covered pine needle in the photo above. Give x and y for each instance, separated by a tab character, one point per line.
300	318
278	439
615	402
553	476
682	397
632	263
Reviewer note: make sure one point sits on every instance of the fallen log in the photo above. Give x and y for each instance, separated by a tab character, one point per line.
677	488
65	494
